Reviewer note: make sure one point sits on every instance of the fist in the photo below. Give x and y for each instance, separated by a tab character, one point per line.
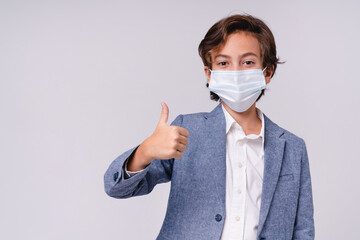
167	141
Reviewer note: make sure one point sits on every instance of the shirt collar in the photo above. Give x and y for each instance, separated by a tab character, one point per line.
230	121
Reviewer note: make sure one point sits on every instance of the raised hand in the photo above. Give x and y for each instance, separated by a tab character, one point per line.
166	142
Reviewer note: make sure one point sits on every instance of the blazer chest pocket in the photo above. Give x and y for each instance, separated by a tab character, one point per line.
286	177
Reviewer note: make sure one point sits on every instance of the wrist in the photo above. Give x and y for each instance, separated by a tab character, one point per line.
141	158
144	153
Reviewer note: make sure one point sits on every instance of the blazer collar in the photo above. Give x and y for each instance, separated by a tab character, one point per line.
273	155
216	112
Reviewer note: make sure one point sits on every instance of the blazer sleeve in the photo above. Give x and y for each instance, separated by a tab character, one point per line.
304	222
158	171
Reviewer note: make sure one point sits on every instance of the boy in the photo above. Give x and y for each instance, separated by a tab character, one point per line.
234	173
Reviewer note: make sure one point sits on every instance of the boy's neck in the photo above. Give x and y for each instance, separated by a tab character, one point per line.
248	120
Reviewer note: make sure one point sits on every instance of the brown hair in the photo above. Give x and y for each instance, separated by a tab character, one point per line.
218	33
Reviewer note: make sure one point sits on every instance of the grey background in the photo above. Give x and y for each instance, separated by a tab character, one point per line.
82	81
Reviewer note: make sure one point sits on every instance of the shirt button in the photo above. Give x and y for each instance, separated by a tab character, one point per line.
218	217
239	165
241	143
239	191
237	218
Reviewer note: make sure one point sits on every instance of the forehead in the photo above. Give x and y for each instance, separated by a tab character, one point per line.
239	43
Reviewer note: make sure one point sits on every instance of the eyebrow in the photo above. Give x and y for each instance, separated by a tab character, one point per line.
242	56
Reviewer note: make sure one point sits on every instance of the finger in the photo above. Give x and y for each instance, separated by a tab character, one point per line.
183	131
180	147
164	114
183	140
178	155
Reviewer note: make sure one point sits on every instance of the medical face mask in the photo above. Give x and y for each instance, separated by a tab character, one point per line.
238	89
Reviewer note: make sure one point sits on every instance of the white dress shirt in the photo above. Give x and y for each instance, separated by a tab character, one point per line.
244	178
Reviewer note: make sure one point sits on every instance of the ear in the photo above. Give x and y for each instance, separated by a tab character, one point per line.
207	73
268	73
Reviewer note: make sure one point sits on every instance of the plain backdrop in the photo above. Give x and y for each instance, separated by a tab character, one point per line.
82	82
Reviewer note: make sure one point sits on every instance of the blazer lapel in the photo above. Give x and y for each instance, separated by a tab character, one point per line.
273	156
215	142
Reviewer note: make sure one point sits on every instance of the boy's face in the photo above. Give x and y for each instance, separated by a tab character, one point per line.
241	51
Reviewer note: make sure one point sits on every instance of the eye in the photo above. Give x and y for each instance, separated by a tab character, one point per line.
222	63
248	62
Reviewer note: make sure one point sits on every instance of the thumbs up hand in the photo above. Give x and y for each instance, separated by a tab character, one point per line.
166	142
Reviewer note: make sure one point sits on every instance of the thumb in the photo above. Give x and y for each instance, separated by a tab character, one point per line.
164	114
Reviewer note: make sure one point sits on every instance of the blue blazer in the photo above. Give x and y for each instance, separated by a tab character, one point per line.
196	205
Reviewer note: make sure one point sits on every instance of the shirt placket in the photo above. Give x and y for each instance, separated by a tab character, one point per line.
239	187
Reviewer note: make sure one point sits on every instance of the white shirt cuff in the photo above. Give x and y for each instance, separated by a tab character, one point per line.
129	173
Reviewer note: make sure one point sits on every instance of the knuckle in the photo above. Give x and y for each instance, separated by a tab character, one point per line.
186	132
172	152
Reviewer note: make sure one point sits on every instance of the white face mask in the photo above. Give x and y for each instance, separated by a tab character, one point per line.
238	89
